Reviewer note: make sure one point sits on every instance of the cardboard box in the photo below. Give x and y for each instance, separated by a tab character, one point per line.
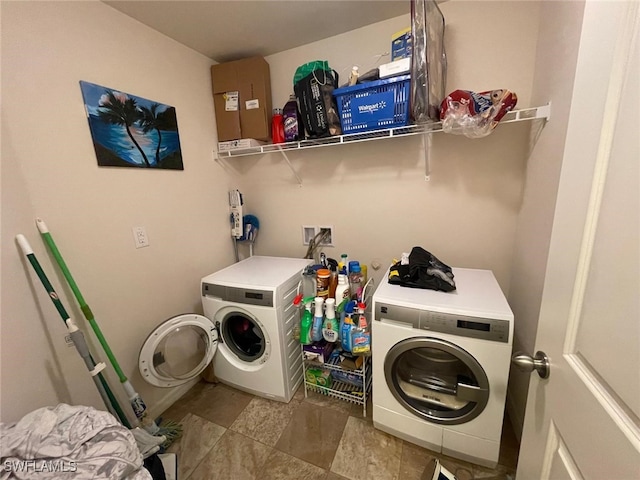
242	99
317	352
245	143
317	376
401	44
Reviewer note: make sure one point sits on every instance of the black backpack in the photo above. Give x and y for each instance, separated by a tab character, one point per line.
318	108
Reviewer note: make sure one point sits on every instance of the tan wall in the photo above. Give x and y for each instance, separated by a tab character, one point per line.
49	169
560	27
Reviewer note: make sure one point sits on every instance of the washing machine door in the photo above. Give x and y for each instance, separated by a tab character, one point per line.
178	350
436	380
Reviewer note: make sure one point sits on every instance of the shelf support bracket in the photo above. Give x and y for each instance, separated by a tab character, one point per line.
543	115
224	164
426	148
293	170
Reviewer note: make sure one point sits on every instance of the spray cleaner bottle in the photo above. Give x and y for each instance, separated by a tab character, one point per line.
316	328
330	329
306	320
360	336
346	326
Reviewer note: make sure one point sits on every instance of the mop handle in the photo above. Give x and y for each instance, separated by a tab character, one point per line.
76	335
86	310
28	251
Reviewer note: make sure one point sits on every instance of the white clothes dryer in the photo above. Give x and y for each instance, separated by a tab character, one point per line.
441	365
246	331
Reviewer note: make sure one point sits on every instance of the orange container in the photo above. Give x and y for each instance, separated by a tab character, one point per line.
322	282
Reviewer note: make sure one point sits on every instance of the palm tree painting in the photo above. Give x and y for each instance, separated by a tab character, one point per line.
130	131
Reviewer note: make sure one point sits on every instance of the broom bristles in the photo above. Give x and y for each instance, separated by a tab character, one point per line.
171	430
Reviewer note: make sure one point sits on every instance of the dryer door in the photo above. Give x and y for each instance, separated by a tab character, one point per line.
178	350
436	380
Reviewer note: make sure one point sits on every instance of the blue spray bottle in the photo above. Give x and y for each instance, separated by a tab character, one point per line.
316	329
346	325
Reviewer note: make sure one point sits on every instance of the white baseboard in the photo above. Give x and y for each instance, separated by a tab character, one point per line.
173	395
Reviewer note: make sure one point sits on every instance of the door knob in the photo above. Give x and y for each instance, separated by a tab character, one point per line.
526	363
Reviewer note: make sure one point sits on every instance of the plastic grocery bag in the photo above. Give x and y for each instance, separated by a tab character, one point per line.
475	115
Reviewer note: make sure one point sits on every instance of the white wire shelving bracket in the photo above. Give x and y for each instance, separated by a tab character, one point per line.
525	114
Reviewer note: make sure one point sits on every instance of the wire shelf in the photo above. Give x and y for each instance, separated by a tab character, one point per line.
533	113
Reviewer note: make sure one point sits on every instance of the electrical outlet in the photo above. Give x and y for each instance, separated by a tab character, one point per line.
308	232
140	237
328	240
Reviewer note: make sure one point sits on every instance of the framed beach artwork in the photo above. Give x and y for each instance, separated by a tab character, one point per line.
130	131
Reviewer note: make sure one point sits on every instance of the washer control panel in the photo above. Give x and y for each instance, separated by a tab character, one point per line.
460	325
238	295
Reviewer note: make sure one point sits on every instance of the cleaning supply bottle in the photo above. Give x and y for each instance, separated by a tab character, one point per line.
316	328
346	325
277	126
355	280
342	289
360	335
306	322
292	120
330	331
323	277
344	259
353	77
333	283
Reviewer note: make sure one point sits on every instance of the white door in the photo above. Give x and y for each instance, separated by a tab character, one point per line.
583	421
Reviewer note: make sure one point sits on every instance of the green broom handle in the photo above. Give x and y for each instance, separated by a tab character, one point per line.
86	310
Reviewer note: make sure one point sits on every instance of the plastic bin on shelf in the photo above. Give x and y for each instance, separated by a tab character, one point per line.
374	105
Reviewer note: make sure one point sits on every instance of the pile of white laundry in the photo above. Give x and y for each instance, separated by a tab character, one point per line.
74	442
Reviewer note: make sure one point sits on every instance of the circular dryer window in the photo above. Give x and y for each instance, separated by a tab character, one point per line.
436	380
243	336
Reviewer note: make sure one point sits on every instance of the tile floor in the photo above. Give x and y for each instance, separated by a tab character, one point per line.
229	434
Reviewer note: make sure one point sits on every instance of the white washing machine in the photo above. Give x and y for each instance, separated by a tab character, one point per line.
247	331
441	365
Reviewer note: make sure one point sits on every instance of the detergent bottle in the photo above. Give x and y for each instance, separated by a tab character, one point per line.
330	331
316	328
292	120
342	289
306	322
277	126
